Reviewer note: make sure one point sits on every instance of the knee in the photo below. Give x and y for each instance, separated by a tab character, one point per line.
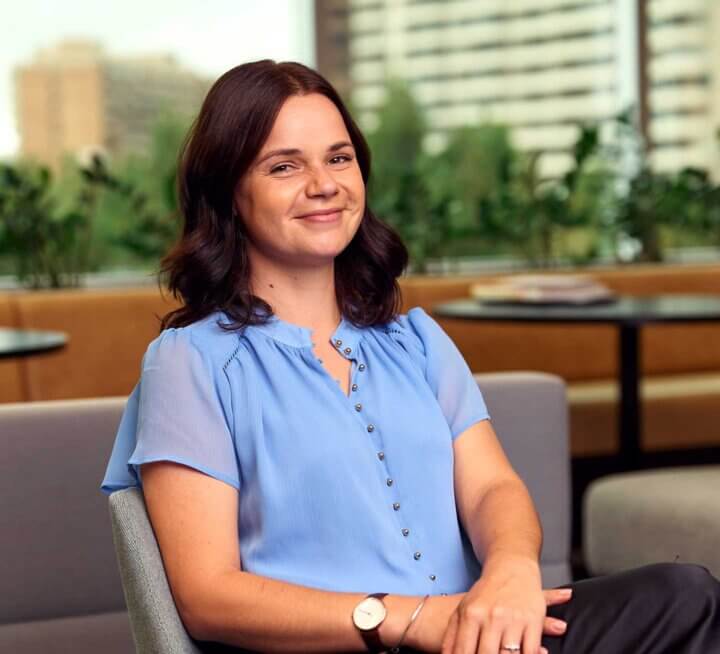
691	583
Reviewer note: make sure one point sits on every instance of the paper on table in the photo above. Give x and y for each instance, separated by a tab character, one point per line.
543	289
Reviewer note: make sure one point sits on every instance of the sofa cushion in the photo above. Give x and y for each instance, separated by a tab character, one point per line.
653	516
108	633
678	411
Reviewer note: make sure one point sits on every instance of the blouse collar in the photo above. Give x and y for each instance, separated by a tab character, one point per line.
346	335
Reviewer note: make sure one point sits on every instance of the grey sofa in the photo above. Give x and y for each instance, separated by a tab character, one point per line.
61	589
652	516
63	592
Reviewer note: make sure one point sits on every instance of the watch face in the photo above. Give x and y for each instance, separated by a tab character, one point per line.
369	614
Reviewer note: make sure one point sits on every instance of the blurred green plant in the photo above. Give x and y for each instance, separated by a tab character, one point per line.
47	239
479	194
398	189
138	210
473	193
479	189
54	228
503	198
651	207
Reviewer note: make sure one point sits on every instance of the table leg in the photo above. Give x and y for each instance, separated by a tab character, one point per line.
630	422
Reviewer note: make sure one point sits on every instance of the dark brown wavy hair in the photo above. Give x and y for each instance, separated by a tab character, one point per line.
208	268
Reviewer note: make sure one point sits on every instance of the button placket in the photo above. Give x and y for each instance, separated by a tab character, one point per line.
380	453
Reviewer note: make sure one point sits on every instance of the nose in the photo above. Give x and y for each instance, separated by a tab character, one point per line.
321	183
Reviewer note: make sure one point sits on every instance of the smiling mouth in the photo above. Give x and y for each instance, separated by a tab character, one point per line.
326	215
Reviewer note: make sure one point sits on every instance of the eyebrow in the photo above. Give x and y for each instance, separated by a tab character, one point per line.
287	152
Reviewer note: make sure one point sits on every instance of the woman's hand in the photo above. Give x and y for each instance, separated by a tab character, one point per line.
505	607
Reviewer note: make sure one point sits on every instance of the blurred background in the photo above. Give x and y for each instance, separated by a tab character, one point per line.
536	133
545	136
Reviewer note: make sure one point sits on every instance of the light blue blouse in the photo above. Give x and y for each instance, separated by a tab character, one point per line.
346	493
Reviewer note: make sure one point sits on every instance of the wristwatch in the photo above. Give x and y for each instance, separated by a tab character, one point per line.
367	617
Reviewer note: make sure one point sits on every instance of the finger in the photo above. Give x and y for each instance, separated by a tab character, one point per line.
491	638
531	638
513	634
554	626
500	628
469	625
450	634
544	650
557	596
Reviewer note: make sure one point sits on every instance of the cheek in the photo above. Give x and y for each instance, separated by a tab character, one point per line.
356	186
267	200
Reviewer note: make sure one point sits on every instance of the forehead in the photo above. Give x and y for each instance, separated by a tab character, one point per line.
306	121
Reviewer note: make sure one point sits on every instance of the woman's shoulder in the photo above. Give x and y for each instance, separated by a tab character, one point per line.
416	326
418	334
204	337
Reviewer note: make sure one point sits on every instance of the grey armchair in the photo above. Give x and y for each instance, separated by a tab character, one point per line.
529	413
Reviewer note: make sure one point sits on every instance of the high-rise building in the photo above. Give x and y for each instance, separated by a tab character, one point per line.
332	55
73	98
542	66
684	83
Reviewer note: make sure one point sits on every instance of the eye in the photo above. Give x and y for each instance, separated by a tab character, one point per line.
341	158
280	168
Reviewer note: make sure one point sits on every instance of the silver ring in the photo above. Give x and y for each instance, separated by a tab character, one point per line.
511	648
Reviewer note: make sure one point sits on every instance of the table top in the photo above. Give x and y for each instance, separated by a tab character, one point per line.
625	310
25	342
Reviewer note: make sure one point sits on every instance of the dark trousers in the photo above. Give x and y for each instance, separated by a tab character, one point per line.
664	608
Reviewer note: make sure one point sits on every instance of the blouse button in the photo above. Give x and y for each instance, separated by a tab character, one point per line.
361	366
389	481
381	455
396	506
347	350
371	427
405	532
417	555
358	406
354	387
338	343
433	577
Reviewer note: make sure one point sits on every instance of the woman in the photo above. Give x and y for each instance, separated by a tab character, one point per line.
303	448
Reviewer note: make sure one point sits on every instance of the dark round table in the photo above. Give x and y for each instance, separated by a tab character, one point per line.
26	342
628	314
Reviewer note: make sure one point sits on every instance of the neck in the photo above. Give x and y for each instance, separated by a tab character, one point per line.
301	296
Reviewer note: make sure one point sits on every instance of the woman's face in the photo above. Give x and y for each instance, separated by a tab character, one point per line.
303	198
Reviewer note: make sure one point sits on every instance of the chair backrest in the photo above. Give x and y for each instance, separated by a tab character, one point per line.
156	625
529	412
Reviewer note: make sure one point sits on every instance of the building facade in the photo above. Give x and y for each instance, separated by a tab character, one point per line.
332	52
542	66
74	99
684	83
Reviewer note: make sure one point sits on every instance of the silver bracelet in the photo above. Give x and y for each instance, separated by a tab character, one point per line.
415	614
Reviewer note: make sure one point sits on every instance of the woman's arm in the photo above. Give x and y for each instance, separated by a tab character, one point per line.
195	518
493	503
506	606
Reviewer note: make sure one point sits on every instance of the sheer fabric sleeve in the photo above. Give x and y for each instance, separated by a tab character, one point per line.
184	410
446	372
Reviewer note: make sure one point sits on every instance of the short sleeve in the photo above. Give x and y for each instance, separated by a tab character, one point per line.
179	411
446	372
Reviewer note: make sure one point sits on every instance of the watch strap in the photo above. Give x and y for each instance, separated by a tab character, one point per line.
372	636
